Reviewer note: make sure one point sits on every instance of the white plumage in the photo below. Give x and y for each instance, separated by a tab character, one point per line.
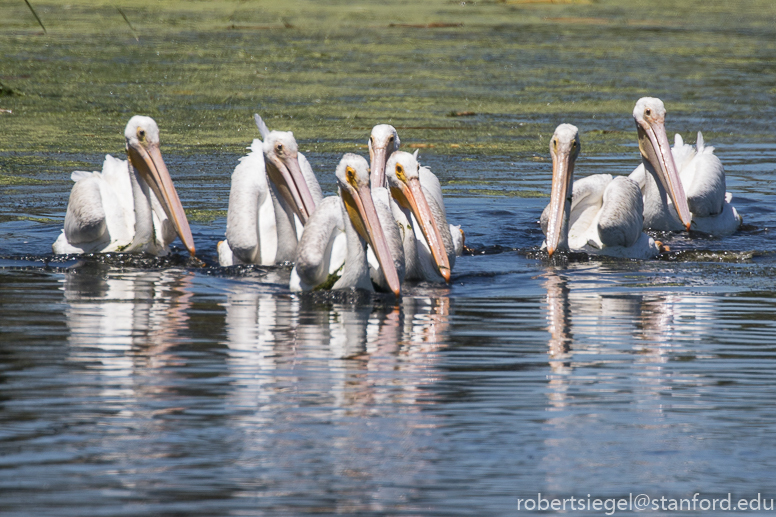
130	206
274	190
429	252
683	187
332	252
383	141
601	215
422	262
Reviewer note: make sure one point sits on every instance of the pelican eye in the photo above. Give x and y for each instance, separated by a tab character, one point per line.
647	112
400	173
141	133
279	147
390	139
350	173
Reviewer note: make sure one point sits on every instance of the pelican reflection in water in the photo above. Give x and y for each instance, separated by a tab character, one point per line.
582	318
270	337
122	324
630	350
585	325
306	374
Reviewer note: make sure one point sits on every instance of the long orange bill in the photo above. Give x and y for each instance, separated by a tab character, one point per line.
368	226
288	178
562	176
378	157
413	193
654	145
149	163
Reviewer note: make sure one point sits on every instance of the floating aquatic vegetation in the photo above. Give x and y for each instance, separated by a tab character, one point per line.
133	260
510	64
204	216
508	193
7	91
6	180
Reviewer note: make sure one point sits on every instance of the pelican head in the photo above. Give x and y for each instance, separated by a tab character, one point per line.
402	173
650	116
564	149
383	141
281	156
142	135
353	180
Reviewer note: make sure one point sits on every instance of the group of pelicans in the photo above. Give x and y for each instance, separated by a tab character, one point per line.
388	223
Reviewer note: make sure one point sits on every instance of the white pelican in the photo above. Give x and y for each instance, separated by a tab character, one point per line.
429	251
691	196
383	141
131	206
332	251
274	191
383	145
597	214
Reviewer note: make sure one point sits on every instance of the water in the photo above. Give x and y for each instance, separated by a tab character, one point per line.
129	388
140	386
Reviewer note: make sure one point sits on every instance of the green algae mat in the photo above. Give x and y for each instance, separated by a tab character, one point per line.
468	78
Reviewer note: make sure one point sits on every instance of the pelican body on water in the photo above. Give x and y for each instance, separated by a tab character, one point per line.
332	253
131	206
274	192
691	196
598	214
389	223
431	244
429	250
